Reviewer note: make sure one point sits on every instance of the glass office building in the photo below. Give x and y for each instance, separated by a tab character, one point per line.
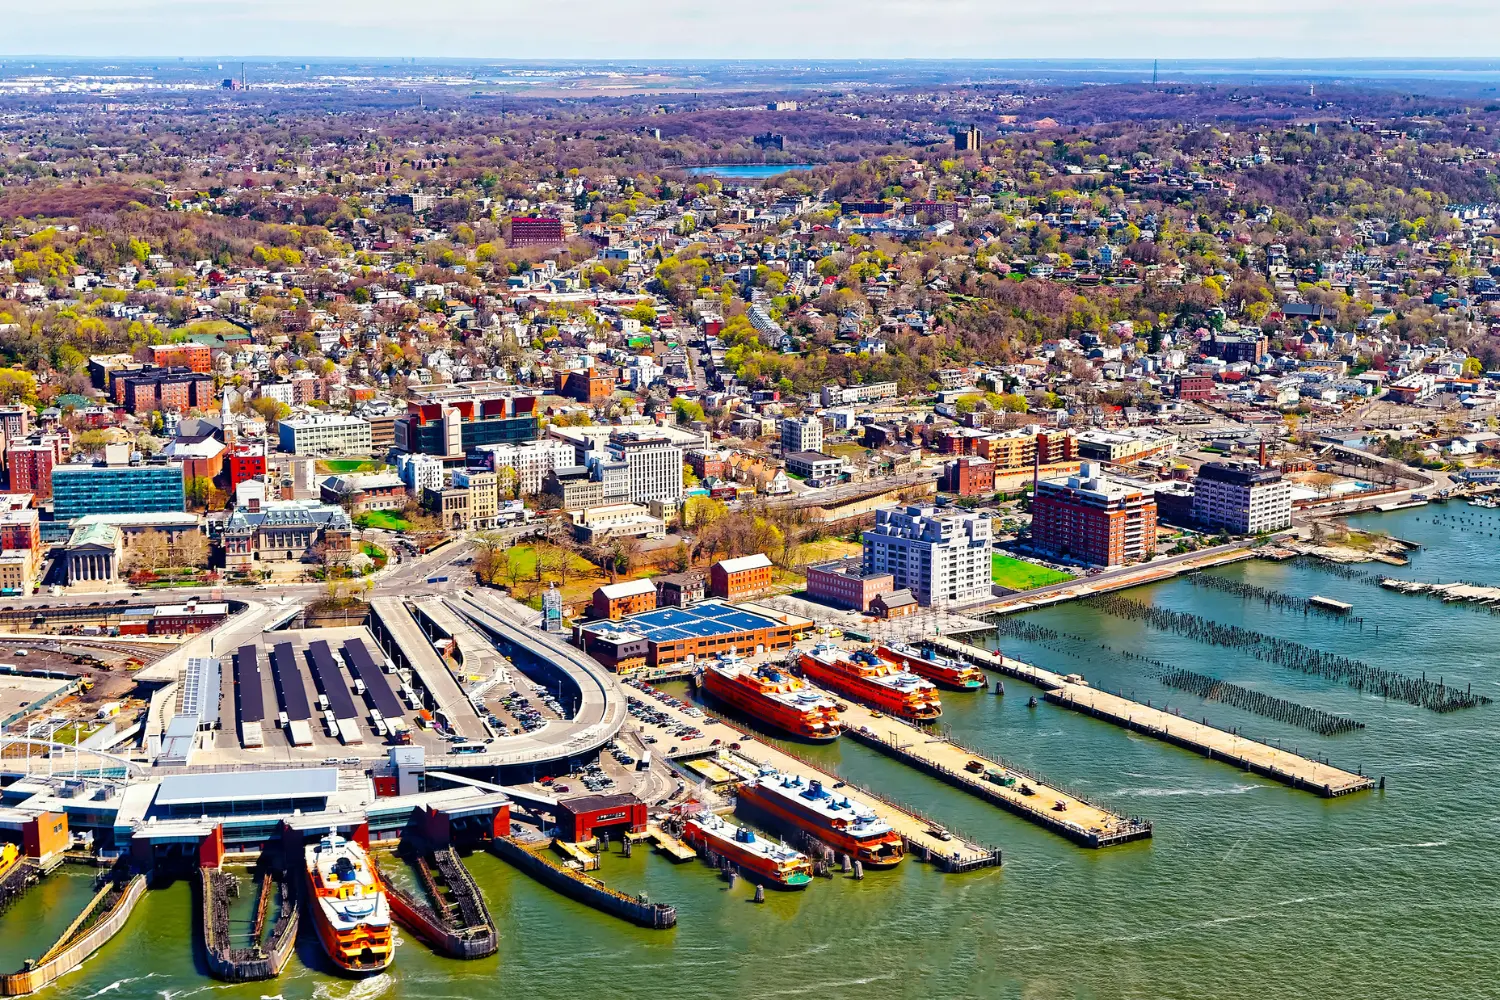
79	490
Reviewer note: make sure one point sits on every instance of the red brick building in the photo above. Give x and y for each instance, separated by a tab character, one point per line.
845	584
164	389
536	231
30	468
245	462
1195	386
616	600
1056	447
579	819
1094	519
733	579
194	357
706	463
589	385
968	477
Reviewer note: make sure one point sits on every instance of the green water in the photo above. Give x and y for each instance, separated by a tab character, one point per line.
1248	889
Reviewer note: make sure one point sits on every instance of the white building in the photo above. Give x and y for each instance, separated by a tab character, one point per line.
837	395
420	472
326	434
1241	498
654	462
799	434
531	461
944	560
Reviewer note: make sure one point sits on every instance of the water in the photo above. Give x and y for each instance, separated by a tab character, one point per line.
749	171
1249	889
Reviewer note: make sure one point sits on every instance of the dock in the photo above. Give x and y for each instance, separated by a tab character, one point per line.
267	954
924	837
452	918
577	854
1329	604
995	781
1215	744
101	920
669	845
531	857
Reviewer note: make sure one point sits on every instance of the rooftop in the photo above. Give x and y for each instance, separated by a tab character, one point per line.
246	786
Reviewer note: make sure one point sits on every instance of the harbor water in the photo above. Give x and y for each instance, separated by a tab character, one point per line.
1248	889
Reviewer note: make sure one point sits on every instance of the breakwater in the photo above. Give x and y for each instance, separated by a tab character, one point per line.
453	919
100	921
1433	695
267	955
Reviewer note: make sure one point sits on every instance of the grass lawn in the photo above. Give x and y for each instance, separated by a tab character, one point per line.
211	327
343	466
1017	574
825	550
382	519
848	450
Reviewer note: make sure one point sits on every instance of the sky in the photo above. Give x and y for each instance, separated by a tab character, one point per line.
754	29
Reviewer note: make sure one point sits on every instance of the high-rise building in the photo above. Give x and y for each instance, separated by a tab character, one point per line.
1094	518
484	500
803	433
943	559
532	231
1241	498
78	490
30	468
527	463
450	421
654	462
967	138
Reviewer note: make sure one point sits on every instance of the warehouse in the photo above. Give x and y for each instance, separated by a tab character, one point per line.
685	635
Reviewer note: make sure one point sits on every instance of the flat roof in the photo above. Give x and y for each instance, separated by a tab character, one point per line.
699	621
297	783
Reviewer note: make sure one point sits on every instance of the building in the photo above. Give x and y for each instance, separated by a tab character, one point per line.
968	477
93	556
1190	387
326	434
685	635
450	421
193	357
571	488
845	584
616	600
245	461
536	231
616	520
815	467
586	385
943	559
736	579
78	490
1412	388
1241	498
837	395
1248	349
360	493
280	531
15	422
420	472
966	139
680	590
30	467
1093	518
803	433
484	495
523	468
151	388
1174	503
896	604
1123	447
654	461
450	505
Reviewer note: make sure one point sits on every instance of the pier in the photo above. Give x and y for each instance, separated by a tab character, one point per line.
267	955
1215	744
101	920
453	918
531	858
924	837
995	781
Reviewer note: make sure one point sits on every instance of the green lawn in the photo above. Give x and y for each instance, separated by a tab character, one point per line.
343	466
1017	574
382	519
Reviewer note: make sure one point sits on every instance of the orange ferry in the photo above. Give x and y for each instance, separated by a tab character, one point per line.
950	673
838	819
865	677
349	905
773	696
757	857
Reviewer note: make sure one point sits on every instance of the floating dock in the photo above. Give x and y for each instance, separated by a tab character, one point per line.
453	918
1215	744
531	858
924	837
1002	784
1329	604
669	845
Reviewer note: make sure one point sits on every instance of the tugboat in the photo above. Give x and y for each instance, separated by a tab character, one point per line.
349	905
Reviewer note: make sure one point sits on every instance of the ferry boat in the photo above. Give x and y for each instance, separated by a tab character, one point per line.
865	677
950	673
836	818
773	696
350	909
758	858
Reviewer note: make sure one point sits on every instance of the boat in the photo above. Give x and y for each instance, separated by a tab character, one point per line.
773	696
10	856
865	677
349	905
948	672
839	819
756	857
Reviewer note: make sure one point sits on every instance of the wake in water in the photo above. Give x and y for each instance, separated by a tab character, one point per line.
1161	792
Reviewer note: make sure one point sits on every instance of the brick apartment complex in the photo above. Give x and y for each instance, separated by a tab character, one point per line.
30	468
175	388
616	600
1191	387
194	357
845	584
536	231
968	477
588	385
1094	518
733	579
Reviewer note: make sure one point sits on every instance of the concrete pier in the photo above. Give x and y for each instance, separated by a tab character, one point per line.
1215	744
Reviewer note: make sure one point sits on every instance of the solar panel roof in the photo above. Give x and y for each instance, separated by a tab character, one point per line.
331	680
252	701
697	622
376	686
288	683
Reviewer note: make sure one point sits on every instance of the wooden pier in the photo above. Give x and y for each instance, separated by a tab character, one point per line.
1215	744
997	782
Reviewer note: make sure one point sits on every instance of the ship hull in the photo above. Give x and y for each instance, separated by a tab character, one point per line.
751	865
766	711
874	695
952	680
886	853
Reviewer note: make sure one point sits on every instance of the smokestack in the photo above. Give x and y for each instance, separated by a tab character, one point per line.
1262	453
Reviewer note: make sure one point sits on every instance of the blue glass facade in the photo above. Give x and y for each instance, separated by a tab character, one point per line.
79	490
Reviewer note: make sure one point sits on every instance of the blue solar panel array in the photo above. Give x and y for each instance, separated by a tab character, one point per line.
252	702
331	680
366	669
699	621
288	684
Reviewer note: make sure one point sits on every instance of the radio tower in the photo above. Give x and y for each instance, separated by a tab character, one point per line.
1154	63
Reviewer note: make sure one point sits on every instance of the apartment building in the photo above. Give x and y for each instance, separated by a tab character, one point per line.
943	559
1241	498
450	421
484	495
526	464
1094	518
840	395
653	461
325	434
736	579
801	434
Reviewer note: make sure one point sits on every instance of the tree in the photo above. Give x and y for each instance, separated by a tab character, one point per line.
271	410
17	386
149	552
191	550
198	491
